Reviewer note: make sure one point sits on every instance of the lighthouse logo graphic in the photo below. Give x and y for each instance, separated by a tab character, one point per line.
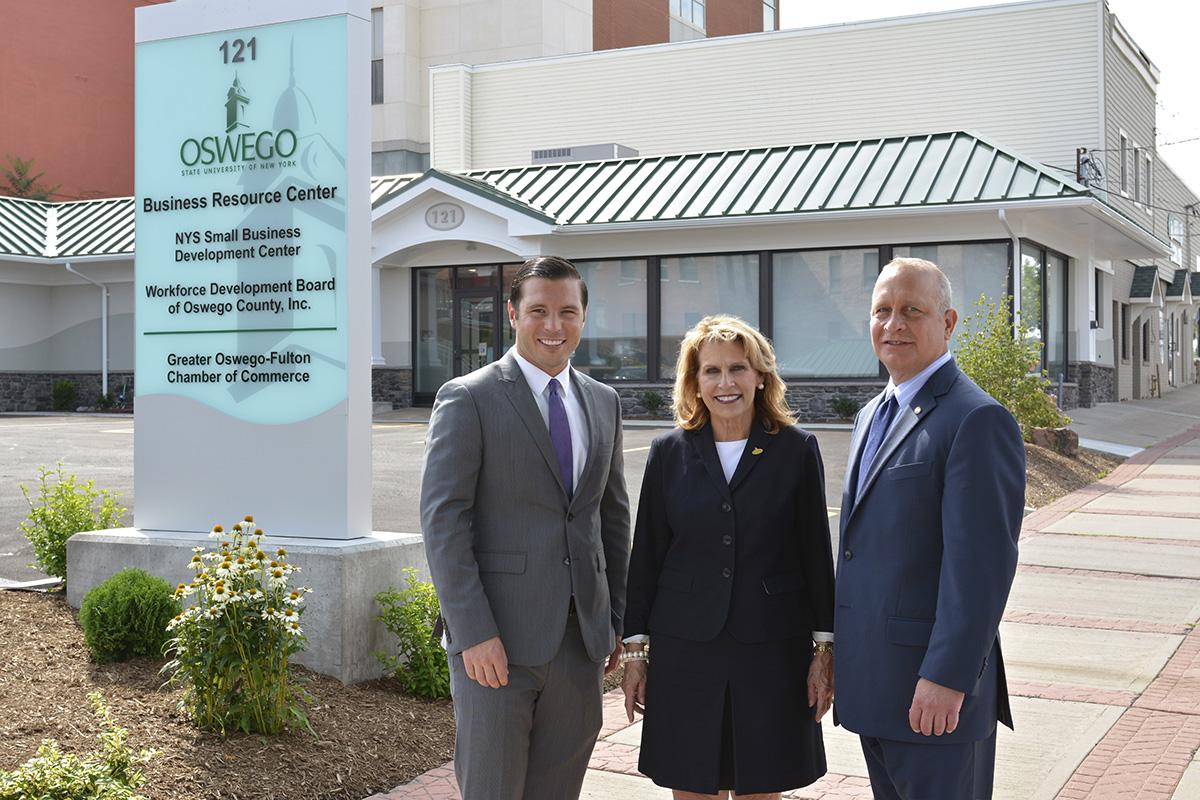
235	107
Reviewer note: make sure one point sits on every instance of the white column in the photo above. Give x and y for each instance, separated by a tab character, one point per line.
376	319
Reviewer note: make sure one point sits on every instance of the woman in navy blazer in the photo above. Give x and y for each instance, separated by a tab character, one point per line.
732	579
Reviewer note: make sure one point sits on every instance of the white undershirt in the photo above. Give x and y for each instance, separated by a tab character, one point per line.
730	454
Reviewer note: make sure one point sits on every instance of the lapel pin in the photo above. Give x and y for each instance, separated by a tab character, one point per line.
756	451
917	410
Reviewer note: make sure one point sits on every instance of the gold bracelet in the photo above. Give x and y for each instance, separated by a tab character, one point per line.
822	647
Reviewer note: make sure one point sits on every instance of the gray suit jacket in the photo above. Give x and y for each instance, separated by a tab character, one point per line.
506	547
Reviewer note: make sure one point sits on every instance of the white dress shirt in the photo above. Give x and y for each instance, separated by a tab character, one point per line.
539	384
907	392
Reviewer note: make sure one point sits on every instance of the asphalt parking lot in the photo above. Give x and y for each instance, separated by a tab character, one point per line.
100	448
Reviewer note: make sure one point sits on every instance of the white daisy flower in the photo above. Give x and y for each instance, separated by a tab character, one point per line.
294	629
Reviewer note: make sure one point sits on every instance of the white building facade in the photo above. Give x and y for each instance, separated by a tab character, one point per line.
775	174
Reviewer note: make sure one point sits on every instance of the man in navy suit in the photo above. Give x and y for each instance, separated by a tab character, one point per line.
931	513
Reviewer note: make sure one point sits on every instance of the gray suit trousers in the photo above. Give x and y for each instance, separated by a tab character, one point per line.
531	739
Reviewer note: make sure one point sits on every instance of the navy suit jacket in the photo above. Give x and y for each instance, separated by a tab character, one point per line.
928	553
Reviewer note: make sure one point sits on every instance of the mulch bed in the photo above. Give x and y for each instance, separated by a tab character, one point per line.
370	738
1050	475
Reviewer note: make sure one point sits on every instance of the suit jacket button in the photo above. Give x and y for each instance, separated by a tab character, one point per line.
725	573
727	539
726	507
849	554
570	517
567	561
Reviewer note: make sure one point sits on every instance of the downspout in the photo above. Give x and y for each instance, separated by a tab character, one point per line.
103	325
1016	269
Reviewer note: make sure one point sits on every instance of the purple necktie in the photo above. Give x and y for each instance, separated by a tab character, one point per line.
560	437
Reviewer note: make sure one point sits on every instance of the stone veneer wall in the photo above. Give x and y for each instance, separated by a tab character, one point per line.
30	391
1097	383
812	401
392	385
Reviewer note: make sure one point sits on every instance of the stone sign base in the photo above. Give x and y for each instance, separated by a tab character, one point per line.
345	575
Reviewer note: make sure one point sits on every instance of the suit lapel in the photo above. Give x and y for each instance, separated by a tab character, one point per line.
588	401
857	438
702	443
909	419
755	451
521	397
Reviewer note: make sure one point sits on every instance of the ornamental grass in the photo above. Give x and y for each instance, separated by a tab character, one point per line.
230	649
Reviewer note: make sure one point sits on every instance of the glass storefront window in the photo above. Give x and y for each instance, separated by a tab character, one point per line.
1055	315
1031	293
822	302
974	269
694	287
435	330
613	346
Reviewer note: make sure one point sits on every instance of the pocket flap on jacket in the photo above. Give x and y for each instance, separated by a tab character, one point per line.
913	470
783	583
909	632
513	563
679	581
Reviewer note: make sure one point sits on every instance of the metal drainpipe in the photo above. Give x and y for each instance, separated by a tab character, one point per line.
1016	268
103	325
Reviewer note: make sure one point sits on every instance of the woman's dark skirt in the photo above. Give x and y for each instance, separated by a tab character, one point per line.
727	715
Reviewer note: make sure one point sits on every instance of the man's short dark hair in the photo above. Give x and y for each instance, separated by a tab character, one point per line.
551	268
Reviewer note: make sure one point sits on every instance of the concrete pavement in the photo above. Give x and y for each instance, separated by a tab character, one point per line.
1101	644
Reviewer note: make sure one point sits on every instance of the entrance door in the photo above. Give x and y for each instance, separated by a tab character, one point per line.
476	331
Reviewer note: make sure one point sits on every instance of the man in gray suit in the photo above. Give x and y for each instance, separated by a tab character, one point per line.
526	525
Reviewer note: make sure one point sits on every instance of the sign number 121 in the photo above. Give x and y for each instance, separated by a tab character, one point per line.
238	50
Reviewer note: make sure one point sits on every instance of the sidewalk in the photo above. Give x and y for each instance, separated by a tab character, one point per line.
1100	643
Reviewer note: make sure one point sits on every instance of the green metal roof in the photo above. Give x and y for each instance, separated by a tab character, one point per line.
895	172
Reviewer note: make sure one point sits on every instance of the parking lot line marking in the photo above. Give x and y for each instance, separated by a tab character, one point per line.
118	430
636	449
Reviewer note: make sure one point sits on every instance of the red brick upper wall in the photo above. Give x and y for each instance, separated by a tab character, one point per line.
731	17
628	23
66	96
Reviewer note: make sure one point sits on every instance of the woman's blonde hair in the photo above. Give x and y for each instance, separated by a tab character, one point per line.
770	401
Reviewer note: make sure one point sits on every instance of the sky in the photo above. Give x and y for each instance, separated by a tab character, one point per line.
1165	30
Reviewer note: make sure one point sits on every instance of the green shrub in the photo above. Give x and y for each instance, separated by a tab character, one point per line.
230	650
652	401
127	616
65	507
105	401
110	774
1002	363
844	407
410	615
62	396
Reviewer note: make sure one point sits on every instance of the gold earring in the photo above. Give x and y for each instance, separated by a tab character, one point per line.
760	386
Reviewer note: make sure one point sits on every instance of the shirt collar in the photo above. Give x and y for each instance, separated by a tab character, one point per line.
907	391
538	380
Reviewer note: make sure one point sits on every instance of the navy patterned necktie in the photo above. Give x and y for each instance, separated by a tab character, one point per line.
880	424
560	437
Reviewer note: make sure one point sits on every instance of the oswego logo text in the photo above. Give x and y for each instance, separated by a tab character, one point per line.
234	146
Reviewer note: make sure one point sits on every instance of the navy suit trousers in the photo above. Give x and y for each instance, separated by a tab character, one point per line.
907	771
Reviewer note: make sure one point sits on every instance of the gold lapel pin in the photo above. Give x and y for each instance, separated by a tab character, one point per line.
756	451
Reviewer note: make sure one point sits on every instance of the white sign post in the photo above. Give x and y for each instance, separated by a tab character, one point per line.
253	266
254	309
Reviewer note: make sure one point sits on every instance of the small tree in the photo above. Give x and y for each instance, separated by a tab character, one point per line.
1005	365
21	182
